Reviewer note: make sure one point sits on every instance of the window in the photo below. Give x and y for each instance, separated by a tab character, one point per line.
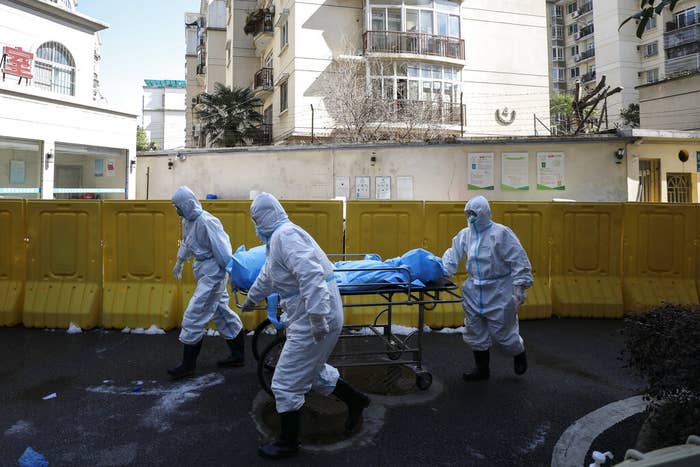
575	72
574	50
651	49
557	11
573	29
557	32
679	188
571	7
283	97
558	75
415	81
653	75
558	53
651	24
685	18
440	17
54	69
284	35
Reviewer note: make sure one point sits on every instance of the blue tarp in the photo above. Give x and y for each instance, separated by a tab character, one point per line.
245	266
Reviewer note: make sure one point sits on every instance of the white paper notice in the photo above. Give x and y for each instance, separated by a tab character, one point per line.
382	187
404	187
111	168
342	187
550	171
480	171
514	171
361	187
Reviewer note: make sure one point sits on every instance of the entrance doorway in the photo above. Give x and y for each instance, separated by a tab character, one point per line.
649	190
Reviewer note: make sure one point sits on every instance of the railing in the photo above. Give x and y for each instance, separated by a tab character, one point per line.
420	112
413	43
263	79
586	31
686	35
585	8
590	76
586	55
259	22
263	134
682	65
689	21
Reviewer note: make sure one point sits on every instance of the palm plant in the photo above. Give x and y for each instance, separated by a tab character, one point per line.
229	116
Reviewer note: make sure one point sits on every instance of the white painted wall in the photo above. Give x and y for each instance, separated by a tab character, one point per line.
164	116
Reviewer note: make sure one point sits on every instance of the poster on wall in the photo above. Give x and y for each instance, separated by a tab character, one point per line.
17	172
480	171
362	187
382	187
404	187
550	171
111	168
515	174
99	167
342	187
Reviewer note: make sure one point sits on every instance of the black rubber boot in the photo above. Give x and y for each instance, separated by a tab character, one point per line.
189	361
481	372
288	443
520	363
354	399
237	347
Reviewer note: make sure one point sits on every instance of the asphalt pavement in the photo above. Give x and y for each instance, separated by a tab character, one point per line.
115	405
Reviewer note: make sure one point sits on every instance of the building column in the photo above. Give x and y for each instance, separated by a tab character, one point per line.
48	164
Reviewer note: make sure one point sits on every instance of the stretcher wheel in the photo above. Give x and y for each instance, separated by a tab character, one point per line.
268	362
258	344
393	354
423	380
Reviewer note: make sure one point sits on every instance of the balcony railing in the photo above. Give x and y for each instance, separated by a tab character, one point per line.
263	79
418	112
396	42
586	54
585	31
588	77
585	8
263	135
682	65
259	22
681	23
686	35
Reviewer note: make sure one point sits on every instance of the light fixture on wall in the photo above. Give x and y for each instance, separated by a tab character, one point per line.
132	164
170	164
619	155
49	158
181	157
373	159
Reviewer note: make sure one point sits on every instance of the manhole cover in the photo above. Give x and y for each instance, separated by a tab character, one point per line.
386	380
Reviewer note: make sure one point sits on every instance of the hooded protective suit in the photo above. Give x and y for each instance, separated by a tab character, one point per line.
499	272
298	269
204	238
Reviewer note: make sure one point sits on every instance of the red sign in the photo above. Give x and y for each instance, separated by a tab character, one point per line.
17	62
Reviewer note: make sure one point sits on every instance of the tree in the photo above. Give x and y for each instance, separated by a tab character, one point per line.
142	143
630	115
562	111
229	117
647	9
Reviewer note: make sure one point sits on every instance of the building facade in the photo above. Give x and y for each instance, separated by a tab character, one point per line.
57	140
671	104
585	43
460	60
163	112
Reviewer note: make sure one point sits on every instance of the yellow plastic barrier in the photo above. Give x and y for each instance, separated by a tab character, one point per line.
587	259
659	255
388	228
140	245
443	219
12	261
530	223
323	220
64	269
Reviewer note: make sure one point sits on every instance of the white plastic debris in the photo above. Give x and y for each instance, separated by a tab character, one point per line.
250	333
137	331
154	330
53	395
600	458
459	330
126	330
74	329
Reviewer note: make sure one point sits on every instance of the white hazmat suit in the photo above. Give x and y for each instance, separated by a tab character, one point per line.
204	239
499	273
299	271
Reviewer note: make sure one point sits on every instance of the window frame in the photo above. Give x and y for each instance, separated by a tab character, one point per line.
284	97
50	66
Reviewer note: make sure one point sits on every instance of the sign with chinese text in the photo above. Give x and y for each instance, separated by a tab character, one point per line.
514	171
16	62
480	171
382	187
550	171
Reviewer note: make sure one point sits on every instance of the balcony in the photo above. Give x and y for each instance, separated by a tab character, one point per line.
263	135
588	77
439	112
396	42
259	24
585	55
201	69
675	36
585	9
682	65
262	81
584	32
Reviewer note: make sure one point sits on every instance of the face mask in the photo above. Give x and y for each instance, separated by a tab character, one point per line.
472	219
179	211
264	238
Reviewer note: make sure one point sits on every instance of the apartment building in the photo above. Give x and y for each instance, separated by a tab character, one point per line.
585	44
163	112
480	63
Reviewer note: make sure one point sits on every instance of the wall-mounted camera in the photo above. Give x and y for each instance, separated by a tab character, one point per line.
619	155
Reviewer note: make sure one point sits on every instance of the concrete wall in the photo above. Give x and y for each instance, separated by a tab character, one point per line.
243	62
438	172
671	105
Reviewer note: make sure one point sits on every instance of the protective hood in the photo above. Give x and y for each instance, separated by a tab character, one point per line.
188	203
481	207
267	213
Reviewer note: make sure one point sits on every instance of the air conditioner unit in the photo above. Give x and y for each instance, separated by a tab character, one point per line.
577	57
574	14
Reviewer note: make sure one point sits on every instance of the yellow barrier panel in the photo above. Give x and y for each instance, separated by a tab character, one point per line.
529	222
388	228
443	219
659	255
587	259
12	261
140	245
323	220
64	270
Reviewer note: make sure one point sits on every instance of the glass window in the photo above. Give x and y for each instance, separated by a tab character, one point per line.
573	28
575	72
413	90
653	75
426	22
88	172
425	70
685	18
284	35
388	88
376	84
393	19
437	90
454	26
423	3
436	71
413	70
571	7
378	19
401	69
54	69
448	92
20	168
447	5
448	70
283	97
427	91
442	24
651	24
574	50
411	20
